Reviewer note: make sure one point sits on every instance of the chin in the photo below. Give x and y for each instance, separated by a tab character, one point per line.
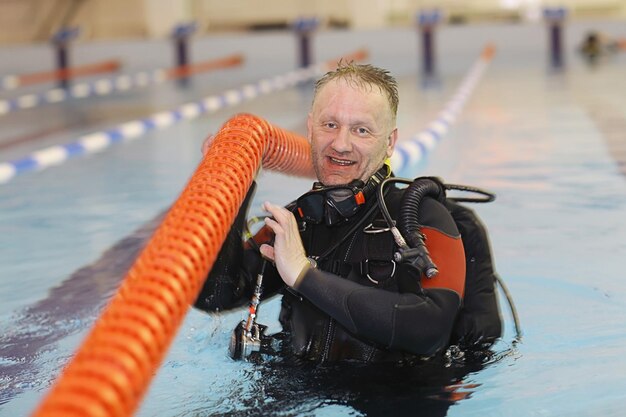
334	179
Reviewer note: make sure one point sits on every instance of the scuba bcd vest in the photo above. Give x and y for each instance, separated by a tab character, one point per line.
478	323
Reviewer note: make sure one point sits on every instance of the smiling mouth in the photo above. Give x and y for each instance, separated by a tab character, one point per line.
342	162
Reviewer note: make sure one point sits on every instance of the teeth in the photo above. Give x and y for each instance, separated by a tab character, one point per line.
341	161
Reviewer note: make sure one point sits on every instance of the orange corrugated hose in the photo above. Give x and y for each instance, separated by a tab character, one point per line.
115	364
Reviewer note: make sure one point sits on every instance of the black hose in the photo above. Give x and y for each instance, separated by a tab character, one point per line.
408	221
381	198
487	196
509	299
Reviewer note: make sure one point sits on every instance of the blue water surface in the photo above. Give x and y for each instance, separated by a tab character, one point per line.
544	141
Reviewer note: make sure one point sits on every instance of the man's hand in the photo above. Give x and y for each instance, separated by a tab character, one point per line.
287	252
207	143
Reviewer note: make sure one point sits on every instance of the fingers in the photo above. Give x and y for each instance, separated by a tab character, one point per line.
282	222
267	251
280	216
287	251
207	143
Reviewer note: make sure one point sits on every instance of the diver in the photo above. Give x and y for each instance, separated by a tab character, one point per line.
596	45
368	271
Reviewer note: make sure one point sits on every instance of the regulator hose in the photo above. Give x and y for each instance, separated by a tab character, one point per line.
408	222
408	236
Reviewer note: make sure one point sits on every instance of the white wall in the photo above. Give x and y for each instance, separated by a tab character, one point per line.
162	15
36	20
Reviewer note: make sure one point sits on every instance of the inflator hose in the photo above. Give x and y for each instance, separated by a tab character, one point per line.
408	221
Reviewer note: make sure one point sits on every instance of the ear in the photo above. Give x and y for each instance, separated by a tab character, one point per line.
393	137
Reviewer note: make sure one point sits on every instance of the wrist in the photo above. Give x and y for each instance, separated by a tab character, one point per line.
310	264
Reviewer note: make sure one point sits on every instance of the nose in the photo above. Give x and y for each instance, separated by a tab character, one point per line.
342	141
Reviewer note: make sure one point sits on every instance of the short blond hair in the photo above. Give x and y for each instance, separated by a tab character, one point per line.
363	75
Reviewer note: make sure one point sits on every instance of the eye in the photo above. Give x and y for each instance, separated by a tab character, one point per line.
362	131
330	125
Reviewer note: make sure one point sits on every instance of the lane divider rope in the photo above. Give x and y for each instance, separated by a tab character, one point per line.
410	152
98	141
106	86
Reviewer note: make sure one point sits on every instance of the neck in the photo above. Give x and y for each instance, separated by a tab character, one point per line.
371	185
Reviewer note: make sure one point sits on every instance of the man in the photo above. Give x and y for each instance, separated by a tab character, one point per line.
344	296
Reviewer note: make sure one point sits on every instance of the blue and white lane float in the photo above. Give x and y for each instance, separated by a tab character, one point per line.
98	141
9	82
102	87
410	152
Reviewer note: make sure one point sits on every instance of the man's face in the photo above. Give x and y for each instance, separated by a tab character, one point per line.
351	132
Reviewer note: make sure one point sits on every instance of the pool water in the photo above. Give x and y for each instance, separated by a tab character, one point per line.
549	143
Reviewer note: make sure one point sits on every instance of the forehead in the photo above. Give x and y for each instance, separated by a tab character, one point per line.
352	84
349	95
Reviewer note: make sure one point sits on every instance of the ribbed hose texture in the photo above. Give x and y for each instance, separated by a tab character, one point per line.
113	368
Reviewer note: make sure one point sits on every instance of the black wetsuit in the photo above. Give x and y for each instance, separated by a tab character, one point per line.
358	304
378	311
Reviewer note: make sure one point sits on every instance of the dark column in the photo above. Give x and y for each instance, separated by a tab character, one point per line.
180	36
555	17
61	41
304	28
427	21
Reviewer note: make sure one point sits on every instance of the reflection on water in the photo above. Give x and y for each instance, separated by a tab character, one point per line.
68	309
425	388
372	390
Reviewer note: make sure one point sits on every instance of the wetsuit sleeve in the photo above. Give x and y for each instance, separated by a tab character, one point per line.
231	284
232	279
419	324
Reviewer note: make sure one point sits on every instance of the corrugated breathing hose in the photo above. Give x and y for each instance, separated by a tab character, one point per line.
112	369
